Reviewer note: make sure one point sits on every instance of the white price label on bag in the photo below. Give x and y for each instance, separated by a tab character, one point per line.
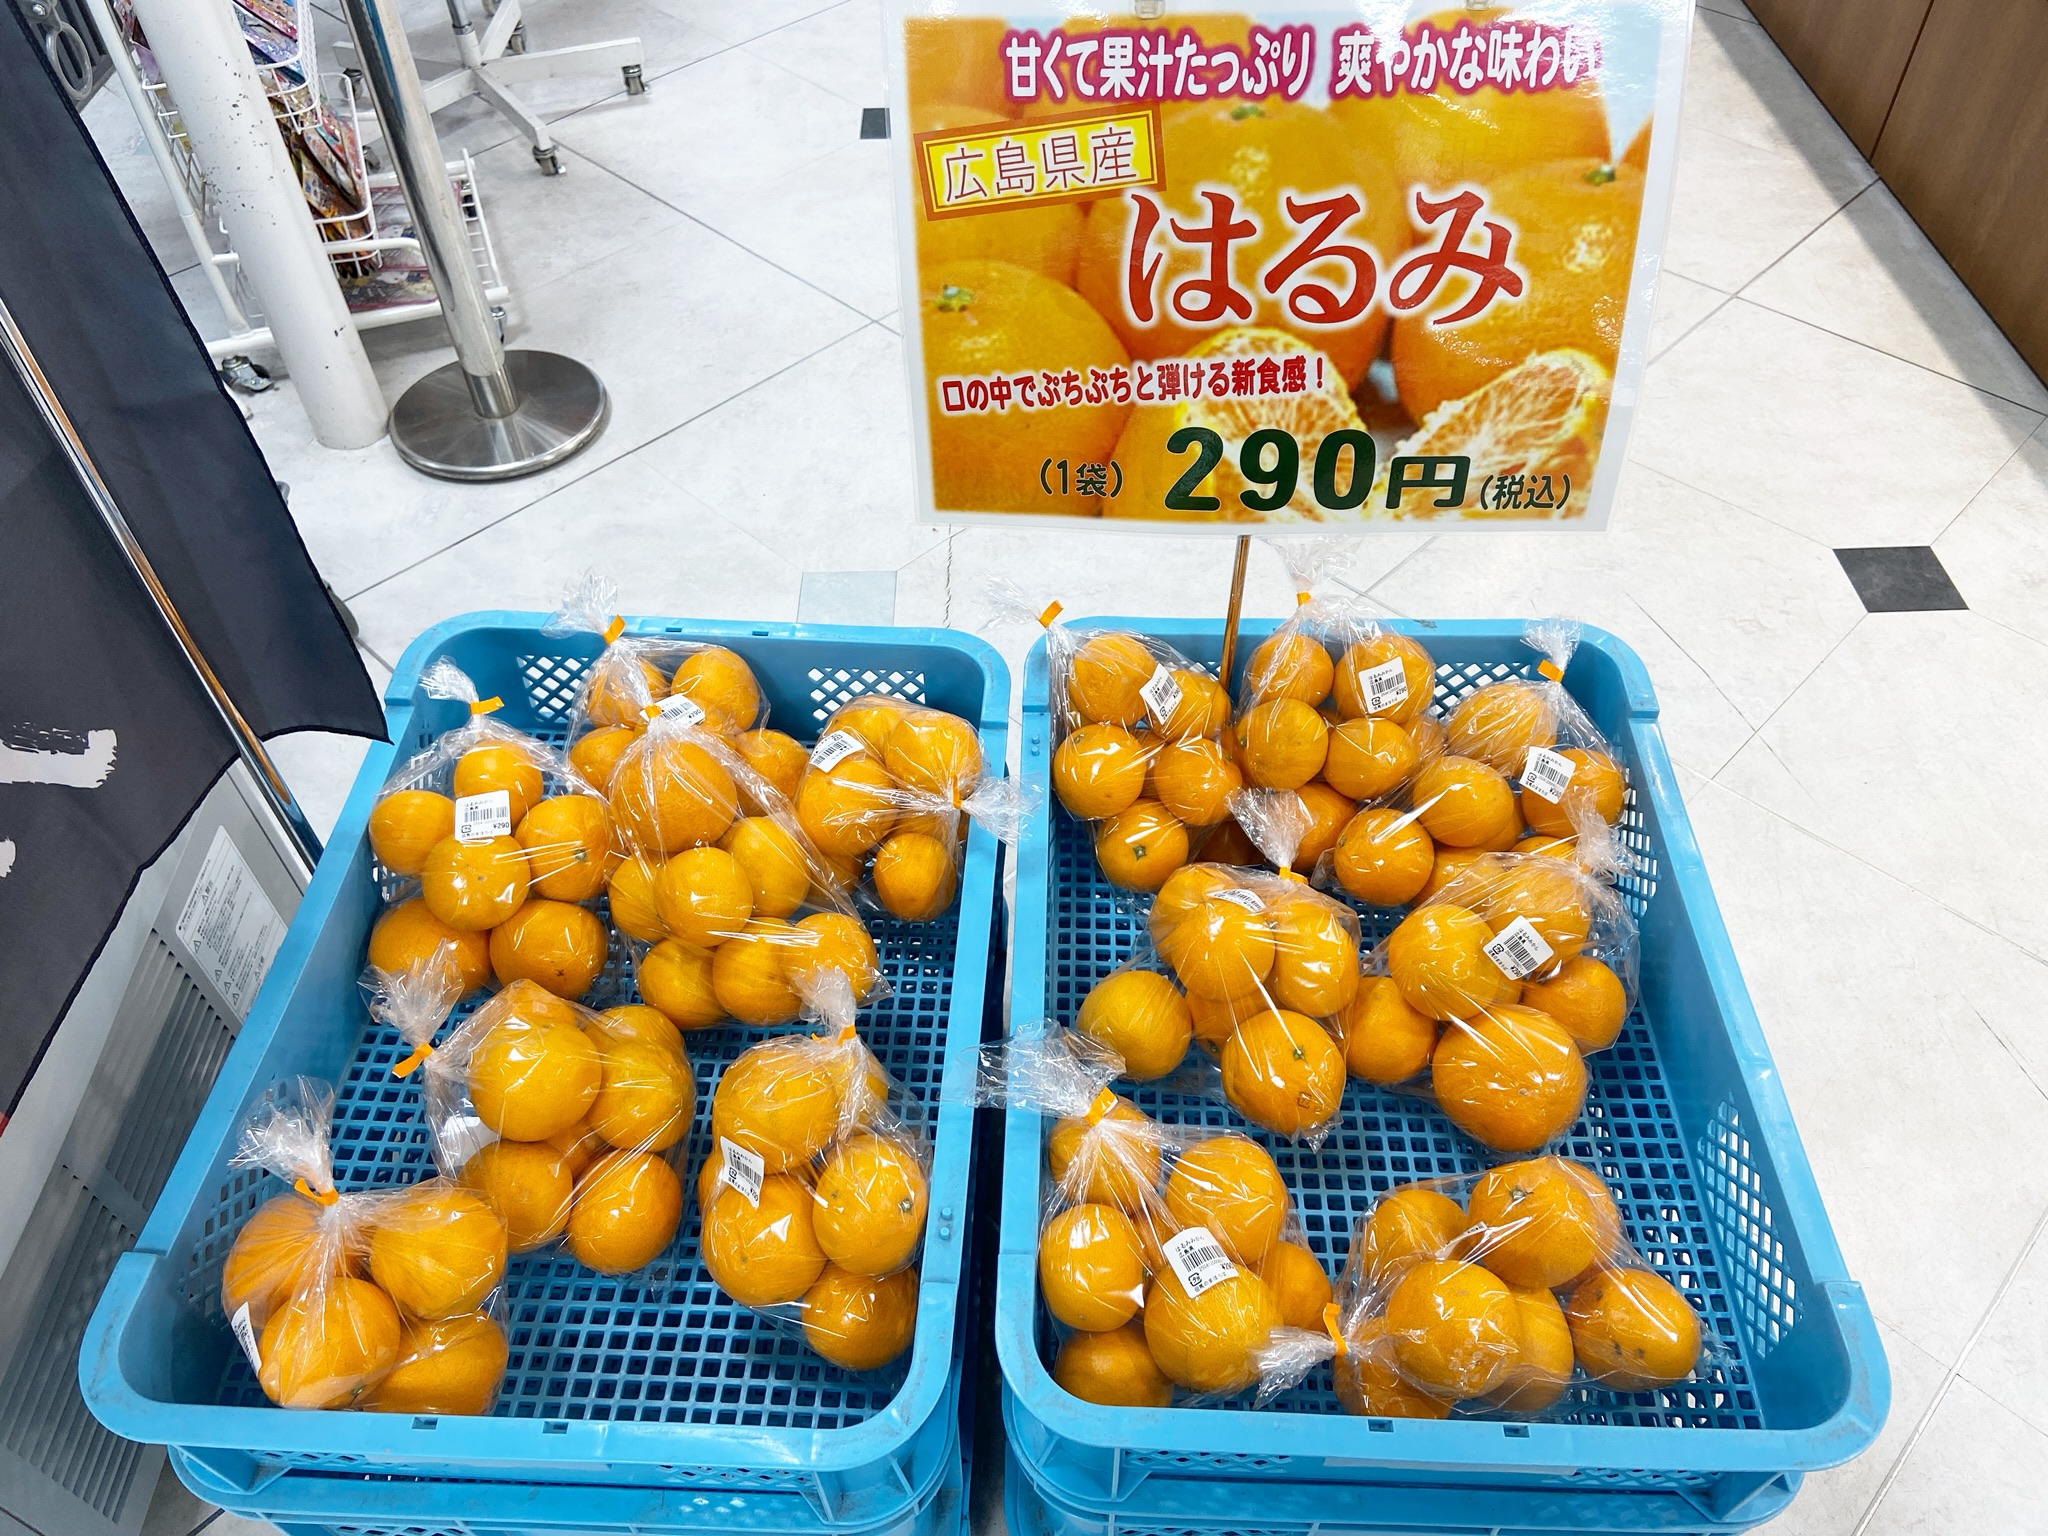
245	1335
1161	695
835	749
679	706
1518	949
1198	1260
479	818
1385	686
1547	773
1238	896
741	1170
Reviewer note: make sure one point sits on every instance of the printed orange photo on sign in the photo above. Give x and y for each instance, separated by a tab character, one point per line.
1328	263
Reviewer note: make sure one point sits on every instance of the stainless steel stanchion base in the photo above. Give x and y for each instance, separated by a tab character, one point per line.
562	408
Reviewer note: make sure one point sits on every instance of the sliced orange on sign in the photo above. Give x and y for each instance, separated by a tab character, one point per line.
1542	417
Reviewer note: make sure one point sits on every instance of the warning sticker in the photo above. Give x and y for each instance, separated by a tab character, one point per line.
479	818
1198	1260
1518	949
229	926
1547	773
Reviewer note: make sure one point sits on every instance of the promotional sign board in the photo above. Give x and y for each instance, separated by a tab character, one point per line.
1364	264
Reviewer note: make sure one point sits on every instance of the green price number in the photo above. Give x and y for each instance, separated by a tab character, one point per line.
1270	462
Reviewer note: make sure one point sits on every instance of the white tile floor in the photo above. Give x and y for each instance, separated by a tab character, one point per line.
1865	786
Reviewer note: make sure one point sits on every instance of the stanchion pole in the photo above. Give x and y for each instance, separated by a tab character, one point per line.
1236	608
490	414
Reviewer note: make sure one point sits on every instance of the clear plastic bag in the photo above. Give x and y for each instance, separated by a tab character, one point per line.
707	685
567	1122
1139	749
1169	1255
739	907
414	1002
318	1332
496	848
815	1193
890	789
1531	730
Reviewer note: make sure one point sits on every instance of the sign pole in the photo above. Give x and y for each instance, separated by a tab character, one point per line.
1231	613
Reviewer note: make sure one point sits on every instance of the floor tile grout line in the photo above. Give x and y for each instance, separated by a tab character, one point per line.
1851	854
1676	644
736	244
2018	449
608	463
1720	303
1954	1373
2018	1060
1786	254
1744	294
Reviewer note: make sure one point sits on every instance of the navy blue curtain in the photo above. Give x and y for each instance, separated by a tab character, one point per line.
86	665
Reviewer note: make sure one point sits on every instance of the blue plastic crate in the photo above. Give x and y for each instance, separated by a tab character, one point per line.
1685	1120
357	1504
1186	1508
610	1381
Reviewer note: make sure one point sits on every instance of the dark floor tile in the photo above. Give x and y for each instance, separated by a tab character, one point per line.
874	122
1906	578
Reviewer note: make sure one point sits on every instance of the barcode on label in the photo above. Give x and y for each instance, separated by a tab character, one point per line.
1518	949
1238	896
1198	1260
479	818
835	749
741	1170
1161	696
1385	686
1546	773
681	707
245	1335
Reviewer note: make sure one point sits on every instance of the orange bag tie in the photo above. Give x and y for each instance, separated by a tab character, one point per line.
412	1063
1293	874
1336	1332
846	1033
318	1196
1103	1103
1052	611
487	706
1303	599
1551	670
613	630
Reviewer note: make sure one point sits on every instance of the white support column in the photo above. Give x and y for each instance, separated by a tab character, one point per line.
206	65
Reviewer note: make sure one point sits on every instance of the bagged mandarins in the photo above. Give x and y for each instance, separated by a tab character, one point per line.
707	685
1529	961
903	782
1256	965
1140	742
506	842
316	1331
1531	730
740	907
1488	1289
814	1195
1132	1206
565	1123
